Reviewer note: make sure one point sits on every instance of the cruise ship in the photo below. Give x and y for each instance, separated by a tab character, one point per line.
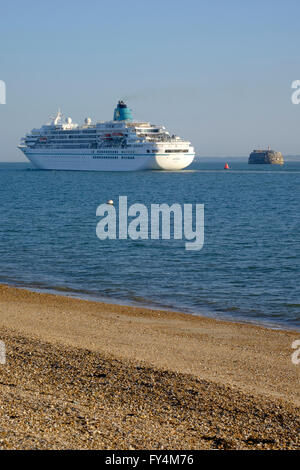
118	145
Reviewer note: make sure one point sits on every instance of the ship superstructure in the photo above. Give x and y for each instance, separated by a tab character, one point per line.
118	145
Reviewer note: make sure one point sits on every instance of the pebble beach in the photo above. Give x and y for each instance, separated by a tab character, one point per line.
90	375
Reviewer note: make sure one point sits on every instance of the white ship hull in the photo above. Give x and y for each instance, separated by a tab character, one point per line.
94	160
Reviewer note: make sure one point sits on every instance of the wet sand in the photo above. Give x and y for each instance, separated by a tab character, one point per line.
83	374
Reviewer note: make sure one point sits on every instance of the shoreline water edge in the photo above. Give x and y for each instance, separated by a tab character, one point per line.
153	305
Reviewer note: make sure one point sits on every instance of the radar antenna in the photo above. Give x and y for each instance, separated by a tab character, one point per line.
57	118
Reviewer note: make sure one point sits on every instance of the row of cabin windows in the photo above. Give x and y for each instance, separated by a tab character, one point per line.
105	156
176	151
54	146
114	157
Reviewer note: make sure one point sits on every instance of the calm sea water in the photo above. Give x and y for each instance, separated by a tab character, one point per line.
248	269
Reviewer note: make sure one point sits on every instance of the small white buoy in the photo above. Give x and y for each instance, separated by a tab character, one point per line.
110	201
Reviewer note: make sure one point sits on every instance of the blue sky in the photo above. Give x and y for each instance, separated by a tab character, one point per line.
216	72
